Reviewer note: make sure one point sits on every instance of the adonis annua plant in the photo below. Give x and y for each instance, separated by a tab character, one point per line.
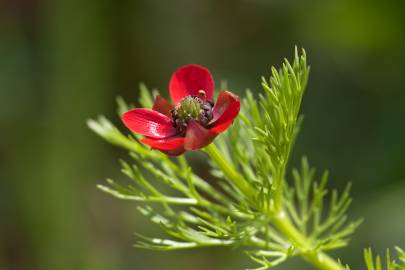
252	202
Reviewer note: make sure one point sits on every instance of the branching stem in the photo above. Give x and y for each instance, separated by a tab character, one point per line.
230	173
317	258
280	219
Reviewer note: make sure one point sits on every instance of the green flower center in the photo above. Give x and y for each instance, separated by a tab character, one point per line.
192	108
189	108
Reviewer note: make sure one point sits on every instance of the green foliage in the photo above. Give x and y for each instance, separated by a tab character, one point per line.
328	228
376	264
268	126
251	206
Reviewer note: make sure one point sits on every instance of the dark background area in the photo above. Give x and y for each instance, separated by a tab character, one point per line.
62	62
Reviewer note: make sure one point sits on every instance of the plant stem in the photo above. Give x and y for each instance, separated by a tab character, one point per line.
317	258
280	219
230	173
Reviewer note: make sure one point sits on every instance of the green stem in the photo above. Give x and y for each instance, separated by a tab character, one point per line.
230	173
278	188
317	258
280	219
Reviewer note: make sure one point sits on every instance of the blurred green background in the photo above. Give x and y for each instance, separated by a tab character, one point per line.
64	61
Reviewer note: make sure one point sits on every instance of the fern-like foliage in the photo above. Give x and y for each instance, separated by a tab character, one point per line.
327	225
390	264
250	206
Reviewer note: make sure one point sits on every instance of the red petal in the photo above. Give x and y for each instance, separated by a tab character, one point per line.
162	105
197	136
175	152
225	100
225	111
149	123
187	80
172	146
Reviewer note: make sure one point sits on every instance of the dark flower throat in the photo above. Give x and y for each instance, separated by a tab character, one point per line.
192	108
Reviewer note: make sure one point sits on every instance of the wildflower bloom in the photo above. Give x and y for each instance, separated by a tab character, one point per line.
193	121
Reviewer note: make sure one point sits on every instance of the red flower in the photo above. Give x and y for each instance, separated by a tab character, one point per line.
193	122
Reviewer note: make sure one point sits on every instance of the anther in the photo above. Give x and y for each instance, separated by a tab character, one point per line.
202	95
192	108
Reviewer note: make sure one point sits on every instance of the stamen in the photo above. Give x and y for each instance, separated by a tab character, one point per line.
192	108
202	95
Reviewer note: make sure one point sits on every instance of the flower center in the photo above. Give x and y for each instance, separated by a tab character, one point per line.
192	108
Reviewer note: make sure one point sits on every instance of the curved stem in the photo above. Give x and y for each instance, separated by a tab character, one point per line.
230	172
317	258
280	219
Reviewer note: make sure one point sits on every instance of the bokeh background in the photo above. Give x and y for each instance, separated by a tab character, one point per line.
64	61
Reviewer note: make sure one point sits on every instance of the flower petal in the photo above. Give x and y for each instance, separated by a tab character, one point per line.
175	152
171	146
225	111
225	100
218	128
197	136
188	79
149	123
162	105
